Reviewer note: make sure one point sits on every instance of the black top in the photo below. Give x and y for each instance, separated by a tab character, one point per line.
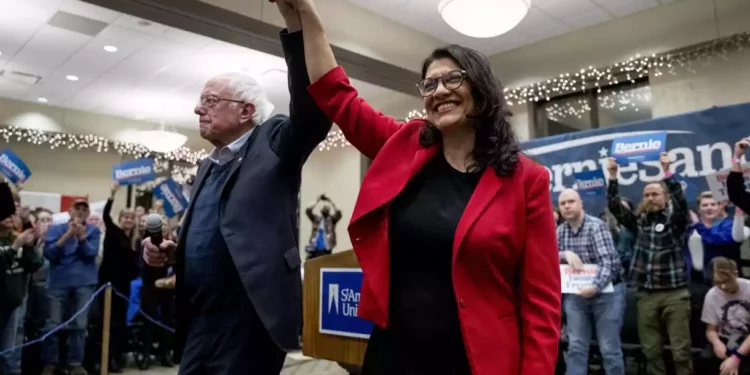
119	258
423	334
737	191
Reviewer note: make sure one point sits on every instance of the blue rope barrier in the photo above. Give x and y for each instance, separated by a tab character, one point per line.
81	311
150	319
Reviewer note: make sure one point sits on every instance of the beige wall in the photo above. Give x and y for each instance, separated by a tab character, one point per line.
69	172
718	84
335	173
660	29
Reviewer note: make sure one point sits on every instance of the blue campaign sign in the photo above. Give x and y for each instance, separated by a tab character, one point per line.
339	300
591	183
700	143
13	167
134	172
638	148
170	192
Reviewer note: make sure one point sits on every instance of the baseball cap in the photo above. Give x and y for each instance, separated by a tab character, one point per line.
79	202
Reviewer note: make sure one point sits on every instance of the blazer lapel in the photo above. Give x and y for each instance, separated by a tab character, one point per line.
377	193
489	186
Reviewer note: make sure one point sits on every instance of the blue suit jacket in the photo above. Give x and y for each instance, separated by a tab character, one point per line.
259	216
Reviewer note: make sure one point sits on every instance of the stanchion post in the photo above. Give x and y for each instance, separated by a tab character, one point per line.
106	319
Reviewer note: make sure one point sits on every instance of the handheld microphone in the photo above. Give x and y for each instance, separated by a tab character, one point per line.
154	223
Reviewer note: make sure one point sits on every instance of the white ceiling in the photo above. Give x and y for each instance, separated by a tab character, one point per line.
156	74
546	19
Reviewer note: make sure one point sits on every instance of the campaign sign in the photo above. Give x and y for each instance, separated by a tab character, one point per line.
573	281
717	182
13	167
170	192
591	183
134	172
638	148
339	300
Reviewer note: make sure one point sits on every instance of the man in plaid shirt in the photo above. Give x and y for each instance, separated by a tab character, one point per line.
658	267
584	239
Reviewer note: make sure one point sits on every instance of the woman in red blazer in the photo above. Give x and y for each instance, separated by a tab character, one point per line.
453	227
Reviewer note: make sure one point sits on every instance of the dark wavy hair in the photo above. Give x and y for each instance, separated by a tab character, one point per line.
495	145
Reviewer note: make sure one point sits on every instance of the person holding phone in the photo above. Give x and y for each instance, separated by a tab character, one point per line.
737	190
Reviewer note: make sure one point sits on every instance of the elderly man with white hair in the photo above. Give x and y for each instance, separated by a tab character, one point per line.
239	294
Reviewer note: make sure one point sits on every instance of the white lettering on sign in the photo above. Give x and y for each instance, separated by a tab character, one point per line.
687	162
170	197
635	147
122	174
590	184
7	163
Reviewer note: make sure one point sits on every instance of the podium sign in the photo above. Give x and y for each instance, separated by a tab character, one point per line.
339	300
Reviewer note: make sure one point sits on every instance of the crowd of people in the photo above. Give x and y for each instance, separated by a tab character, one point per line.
661	248
51	271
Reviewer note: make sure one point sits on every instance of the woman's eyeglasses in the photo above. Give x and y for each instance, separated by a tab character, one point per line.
451	81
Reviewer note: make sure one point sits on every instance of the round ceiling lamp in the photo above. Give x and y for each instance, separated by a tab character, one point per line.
483	18
161	140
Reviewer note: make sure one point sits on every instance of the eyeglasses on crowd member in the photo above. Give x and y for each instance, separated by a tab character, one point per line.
452	227
658	267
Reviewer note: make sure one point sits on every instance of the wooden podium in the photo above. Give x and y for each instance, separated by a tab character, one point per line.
346	351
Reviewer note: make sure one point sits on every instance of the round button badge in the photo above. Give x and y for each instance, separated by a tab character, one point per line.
659	228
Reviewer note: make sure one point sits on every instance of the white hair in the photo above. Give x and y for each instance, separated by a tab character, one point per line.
246	88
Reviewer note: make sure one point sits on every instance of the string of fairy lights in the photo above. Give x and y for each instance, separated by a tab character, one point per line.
630	70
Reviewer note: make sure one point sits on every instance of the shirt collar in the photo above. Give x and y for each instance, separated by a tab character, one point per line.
226	153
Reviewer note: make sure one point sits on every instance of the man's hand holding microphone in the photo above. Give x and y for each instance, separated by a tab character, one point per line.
156	251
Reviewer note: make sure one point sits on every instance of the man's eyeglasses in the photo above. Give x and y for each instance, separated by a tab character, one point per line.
210	101
451	81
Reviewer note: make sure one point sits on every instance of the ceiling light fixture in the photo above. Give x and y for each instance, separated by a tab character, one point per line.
110	48
71	78
42	100
161	140
483	18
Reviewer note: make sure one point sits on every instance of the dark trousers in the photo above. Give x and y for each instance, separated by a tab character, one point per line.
246	349
157	304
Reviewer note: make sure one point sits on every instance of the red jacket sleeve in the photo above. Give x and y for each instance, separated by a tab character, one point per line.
365	128
540	289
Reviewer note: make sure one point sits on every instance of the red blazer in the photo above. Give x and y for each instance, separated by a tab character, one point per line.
506	272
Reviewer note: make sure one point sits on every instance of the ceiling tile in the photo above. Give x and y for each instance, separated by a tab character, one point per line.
587	19
567	9
19	20
187	38
141	25
48	49
621	8
90	11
